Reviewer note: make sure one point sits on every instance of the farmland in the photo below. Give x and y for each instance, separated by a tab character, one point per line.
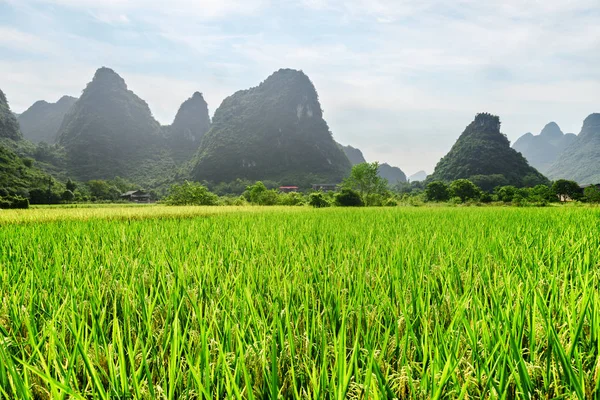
259	302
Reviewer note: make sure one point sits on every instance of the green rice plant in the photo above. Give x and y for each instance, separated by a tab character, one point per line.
158	302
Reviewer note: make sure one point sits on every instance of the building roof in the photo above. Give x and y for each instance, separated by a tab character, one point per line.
288	187
135	192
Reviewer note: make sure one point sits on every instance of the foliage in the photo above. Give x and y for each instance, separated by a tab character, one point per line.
348	198
191	194
291	199
364	179
506	193
437	191
566	190
9	127
464	189
275	131
67	196
259	194
13	202
482	150
318	200
488	183
270	303
592	194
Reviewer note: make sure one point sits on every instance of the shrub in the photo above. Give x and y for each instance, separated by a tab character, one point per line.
437	191
318	200
591	194
291	199
67	196
14	202
348	198
465	190
191	193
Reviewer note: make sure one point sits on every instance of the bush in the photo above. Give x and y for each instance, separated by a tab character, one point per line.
67	196
14	202
191	193
259	194
348	198
318	200
506	193
591	194
465	190
291	199
391	202
437	191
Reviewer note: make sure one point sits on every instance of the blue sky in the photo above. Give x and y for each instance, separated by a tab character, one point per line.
398	79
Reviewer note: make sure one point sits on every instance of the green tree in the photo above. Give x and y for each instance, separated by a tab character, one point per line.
259	194
348	198
592	194
191	193
506	193
437	191
67	196
566	190
365	180
318	200
101	190
464	189
71	185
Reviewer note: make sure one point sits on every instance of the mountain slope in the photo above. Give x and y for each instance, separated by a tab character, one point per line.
580	161
482	150
111	132
17	176
41	121
418	176
393	175
542	150
189	126
9	127
274	131
354	155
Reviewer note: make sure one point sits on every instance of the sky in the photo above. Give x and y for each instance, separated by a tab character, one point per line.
399	80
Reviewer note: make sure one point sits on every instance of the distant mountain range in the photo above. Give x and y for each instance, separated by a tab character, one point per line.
580	160
275	131
543	150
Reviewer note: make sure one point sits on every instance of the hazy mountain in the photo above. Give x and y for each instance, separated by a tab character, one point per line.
580	161
274	131
418	177
354	155
542	150
9	127
41	121
481	150
111	132
394	175
191	123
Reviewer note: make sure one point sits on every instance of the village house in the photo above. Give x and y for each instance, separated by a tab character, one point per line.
325	187
288	189
136	196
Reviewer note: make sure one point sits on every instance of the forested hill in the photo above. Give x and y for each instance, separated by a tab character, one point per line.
482	151
274	131
580	161
9	127
542	150
41	121
191	123
17	175
111	132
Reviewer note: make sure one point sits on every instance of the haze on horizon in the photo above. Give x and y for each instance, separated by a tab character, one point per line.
399	80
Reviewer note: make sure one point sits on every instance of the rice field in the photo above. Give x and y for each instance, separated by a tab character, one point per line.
297	303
